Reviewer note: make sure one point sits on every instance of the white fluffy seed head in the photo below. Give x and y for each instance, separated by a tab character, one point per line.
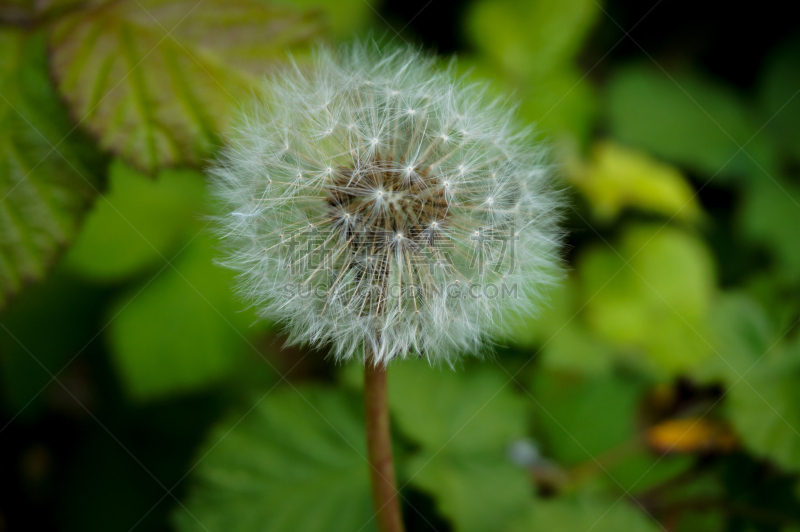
366	226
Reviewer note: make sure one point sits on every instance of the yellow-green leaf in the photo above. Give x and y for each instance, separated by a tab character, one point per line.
154	80
650	293
619	177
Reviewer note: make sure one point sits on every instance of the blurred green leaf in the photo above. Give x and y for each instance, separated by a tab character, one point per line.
778	95
583	513
583	416
464	412
46	183
529	38
692	521
687	119
777	293
640	469
771	214
618	177
155	79
295	463
562	101
181	329
478	493
562	335
763	405
576	348
651	292
137	223
346	17
740	333
555	313
465	423
531	47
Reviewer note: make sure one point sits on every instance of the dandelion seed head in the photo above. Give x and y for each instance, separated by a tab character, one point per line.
356	238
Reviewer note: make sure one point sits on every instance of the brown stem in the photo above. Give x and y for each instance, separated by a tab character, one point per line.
385	496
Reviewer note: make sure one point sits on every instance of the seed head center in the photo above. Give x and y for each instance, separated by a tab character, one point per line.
382	202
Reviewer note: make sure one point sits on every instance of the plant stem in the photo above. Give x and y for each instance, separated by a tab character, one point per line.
385	496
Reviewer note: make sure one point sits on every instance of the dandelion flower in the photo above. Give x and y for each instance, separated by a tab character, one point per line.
377	203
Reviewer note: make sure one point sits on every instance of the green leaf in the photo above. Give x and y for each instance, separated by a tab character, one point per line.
295	462
530	38
618	177
477	493
763	405
137	224
740	333
779	98
589	422
561	101
693	521
640	469
562	335
579	514
47	176
583	416
462	412
180	330
576	348
687	119
155	79
650	293
531	47
345	17
464	423
771	214
558	310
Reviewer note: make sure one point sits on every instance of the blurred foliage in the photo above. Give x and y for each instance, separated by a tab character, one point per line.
138	223
156	90
462	425
618	177
688	119
45	190
658	390
261	468
651	293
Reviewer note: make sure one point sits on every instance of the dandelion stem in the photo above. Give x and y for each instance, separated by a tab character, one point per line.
385	496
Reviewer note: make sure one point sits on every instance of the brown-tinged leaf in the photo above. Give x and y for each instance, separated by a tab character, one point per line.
46	179
154	80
